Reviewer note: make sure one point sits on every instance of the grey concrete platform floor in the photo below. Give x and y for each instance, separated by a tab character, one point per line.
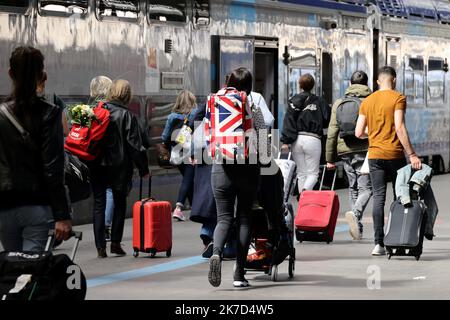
340	270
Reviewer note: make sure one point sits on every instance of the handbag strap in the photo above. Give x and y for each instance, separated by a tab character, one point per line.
4	109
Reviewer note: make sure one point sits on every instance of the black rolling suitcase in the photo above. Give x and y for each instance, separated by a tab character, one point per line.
41	276
405	229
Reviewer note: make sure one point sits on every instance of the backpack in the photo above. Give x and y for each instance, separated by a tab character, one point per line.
84	142
347	113
226	123
76	178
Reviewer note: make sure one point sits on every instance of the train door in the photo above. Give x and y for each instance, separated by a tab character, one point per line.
327	77
259	55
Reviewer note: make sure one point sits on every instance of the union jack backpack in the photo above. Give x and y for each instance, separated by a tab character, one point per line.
227	120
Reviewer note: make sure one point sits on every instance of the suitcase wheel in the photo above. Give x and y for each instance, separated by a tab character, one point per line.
152	253
417	258
274	273
135	253
389	256
169	253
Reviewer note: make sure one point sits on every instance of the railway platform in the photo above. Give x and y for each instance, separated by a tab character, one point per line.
343	269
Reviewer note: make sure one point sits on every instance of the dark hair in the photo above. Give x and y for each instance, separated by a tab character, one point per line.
27	71
387	70
359	77
307	82
241	79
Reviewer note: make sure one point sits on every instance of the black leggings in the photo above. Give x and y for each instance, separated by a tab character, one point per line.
118	221
228	183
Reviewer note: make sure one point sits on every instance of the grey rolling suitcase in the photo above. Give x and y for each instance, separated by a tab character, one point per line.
405	229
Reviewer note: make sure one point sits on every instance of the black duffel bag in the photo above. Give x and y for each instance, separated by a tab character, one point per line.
77	178
41	276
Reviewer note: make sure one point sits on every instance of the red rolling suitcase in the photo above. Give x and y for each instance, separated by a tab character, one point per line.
317	214
152	225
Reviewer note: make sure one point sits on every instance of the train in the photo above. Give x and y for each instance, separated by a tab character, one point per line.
164	46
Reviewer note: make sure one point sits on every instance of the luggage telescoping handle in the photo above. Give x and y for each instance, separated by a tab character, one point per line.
78	235
324	169
289	155
149	186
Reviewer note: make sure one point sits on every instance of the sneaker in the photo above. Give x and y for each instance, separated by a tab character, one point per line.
352	221
208	251
178	214
378	251
108	234
241	283
116	248
101	253
215	272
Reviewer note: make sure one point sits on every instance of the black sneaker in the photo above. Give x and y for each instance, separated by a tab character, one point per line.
108	234
207	253
215	270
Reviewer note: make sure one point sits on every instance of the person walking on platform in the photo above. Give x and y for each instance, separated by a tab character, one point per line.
303	124
231	182
382	120
99	89
182	113
121	147
342	143
32	191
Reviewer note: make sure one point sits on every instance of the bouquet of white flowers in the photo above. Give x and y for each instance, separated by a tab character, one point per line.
82	114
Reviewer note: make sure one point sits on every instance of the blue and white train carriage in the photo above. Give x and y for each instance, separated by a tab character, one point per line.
163	46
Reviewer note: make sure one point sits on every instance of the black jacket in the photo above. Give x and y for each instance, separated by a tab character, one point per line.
306	114
121	147
32	173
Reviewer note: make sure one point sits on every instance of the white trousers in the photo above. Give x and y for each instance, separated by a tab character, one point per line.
306	151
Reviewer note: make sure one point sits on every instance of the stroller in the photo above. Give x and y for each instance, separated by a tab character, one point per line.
273	223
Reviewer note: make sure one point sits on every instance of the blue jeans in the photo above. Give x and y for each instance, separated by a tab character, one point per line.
187	184
109	211
25	228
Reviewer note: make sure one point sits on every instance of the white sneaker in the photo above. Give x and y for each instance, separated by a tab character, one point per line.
378	251
241	283
353	223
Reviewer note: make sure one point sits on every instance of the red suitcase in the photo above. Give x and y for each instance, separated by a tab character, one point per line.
317	214
152	225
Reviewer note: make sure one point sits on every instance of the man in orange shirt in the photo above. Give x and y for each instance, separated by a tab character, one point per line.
382	120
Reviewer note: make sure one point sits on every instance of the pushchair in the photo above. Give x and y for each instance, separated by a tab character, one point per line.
273	223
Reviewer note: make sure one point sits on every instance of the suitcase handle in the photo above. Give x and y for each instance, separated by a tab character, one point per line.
289	155
78	235
149	186
324	169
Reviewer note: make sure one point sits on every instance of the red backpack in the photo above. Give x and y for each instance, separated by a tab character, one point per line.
83	141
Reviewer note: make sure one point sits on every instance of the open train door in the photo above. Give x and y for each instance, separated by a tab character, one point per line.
259	55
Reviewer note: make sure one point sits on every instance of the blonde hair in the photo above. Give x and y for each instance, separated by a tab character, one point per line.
120	91
185	102
100	87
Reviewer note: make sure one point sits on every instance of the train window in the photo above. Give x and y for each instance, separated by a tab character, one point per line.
16	6
200	12
414	81
301	63
64	7
128	9
15	3
435	82
167	10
